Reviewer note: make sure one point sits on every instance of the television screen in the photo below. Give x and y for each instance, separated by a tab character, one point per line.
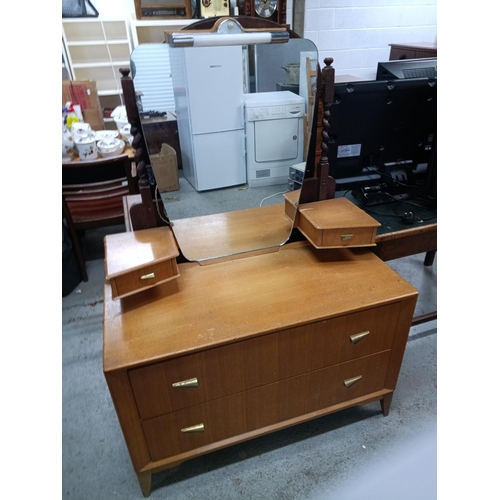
383	133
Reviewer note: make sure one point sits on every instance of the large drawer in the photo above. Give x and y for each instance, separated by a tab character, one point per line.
228	417
189	380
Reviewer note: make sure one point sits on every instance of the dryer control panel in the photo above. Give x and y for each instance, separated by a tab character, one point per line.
274	112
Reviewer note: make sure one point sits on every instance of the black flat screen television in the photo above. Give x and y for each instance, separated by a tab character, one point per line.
407	68
383	133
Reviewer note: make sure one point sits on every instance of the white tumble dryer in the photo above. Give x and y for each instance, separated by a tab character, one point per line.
274	132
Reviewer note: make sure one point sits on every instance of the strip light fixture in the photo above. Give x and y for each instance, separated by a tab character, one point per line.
229	32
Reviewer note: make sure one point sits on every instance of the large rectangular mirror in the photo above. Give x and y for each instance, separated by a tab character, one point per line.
244	115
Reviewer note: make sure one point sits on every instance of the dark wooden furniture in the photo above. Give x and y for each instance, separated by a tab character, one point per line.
246	22
252	8
163	9
160	130
92	196
412	50
150	212
318	184
234	350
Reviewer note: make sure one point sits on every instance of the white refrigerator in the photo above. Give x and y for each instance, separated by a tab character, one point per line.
208	90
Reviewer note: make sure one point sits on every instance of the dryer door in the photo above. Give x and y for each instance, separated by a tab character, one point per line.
276	140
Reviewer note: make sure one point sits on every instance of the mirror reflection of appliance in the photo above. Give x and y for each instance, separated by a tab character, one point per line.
210	114
207	202
274	136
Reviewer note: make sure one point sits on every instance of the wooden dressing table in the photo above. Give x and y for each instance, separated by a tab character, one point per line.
249	343
241	348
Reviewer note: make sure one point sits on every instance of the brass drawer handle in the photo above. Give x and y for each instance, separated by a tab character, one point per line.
346	236
147	276
352	381
192	382
194	428
359	336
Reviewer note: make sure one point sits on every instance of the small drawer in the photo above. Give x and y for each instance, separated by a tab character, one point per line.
189	380
135	261
140	279
336	223
258	408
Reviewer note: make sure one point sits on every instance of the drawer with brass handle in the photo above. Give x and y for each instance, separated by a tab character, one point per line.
168	386
146	277
265	406
140	260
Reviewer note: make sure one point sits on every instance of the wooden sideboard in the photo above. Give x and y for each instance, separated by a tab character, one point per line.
241	348
412	50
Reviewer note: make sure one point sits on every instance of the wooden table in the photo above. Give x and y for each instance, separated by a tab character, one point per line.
241	348
396	239
207	236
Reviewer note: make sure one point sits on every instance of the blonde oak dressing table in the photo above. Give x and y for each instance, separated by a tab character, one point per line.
240	348
248	343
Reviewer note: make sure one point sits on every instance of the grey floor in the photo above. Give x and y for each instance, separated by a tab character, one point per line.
354	454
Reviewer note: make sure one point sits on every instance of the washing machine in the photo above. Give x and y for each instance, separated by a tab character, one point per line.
274	131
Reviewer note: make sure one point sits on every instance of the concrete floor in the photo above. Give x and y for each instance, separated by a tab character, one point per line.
353	454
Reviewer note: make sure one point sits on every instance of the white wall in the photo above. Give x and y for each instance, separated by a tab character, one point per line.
356	33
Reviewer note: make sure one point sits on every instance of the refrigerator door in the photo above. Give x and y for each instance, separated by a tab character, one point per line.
214	78
220	160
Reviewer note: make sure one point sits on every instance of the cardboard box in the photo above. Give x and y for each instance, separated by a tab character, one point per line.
84	93
165	169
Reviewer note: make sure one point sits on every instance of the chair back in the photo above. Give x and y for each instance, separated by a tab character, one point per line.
94	190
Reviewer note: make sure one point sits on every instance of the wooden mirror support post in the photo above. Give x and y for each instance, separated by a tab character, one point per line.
150	212
322	186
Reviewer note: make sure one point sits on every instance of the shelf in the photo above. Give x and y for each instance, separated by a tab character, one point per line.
97	42
96	49
152	30
109	92
102	65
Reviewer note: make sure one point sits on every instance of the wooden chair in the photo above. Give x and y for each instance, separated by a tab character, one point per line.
92	193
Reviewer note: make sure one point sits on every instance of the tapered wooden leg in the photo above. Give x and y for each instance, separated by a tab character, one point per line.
145	482
385	403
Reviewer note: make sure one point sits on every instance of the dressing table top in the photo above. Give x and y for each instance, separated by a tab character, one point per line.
227	301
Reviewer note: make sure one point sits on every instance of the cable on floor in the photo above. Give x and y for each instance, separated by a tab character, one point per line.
275	194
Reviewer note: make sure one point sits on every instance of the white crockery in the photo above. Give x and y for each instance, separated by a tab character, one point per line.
105	134
121	121
114	152
87	148
68	146
108	145
81	129
125	133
